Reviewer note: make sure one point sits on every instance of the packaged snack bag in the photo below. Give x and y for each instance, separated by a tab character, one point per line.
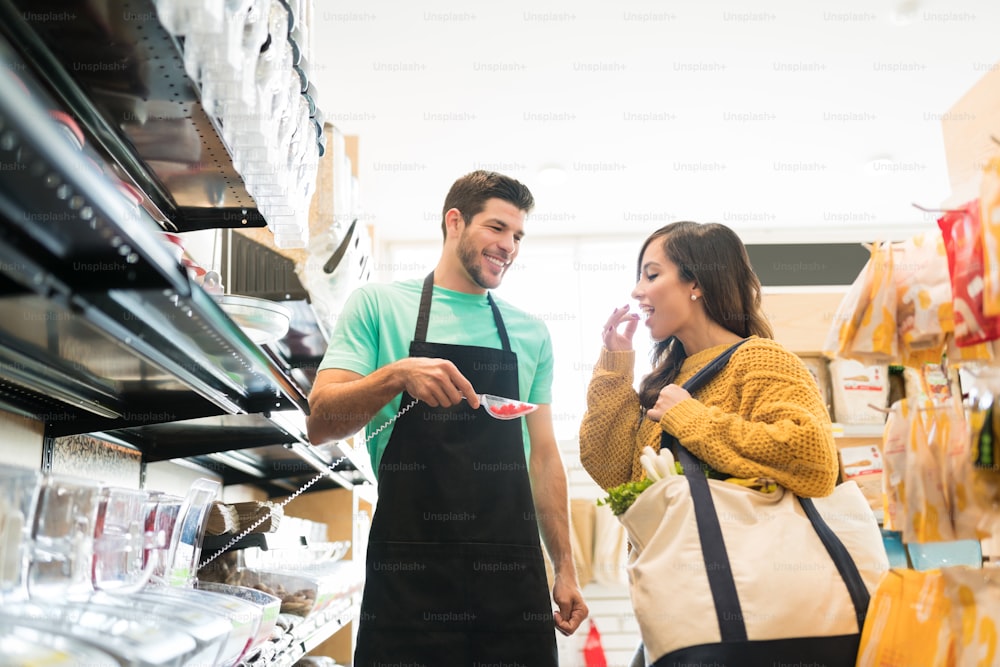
840	336
974	597
894	442
989	202
924	314
962	233
875	340
928	515
856	388
907	622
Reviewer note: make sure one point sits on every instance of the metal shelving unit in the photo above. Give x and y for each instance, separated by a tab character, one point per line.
102	331
121	322
120	74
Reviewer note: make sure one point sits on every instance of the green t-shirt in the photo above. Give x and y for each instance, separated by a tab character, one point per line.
377	324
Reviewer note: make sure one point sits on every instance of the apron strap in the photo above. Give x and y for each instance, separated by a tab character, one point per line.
501	328
424	314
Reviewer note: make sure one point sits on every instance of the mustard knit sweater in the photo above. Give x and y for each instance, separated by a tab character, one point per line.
761	416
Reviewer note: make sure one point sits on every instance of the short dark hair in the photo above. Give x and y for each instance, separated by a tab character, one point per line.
469	194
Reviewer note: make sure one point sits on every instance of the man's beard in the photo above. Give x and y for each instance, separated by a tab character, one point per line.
472	260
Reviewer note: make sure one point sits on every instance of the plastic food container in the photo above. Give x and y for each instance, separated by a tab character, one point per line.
347	576
180	562
284	558
137	640
162	510
308	589
18	498
174	243
270	607
61	538
23	646
209	630
301	595
244	617
120	538
261	320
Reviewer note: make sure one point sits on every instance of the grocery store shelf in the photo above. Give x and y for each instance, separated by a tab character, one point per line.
114	68
858	430
282	469
263	541
336	618
101	328
359	458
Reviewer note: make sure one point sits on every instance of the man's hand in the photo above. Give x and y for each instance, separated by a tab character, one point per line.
436	382
342	402
572	609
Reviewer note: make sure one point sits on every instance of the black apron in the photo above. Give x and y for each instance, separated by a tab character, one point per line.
455	575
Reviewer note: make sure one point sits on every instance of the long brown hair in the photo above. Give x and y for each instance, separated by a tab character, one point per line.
714	257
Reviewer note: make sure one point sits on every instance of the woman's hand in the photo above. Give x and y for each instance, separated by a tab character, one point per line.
613	340
670	396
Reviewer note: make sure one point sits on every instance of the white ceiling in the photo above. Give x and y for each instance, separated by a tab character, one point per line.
766	117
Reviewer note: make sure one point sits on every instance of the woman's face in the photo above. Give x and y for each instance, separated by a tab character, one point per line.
663	297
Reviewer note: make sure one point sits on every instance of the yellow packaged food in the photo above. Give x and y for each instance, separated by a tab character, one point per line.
974	597
907	622
989	203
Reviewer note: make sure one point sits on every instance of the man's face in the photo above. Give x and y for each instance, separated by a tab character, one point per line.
490	241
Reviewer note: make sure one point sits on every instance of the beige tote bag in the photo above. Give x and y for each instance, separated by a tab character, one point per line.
720	573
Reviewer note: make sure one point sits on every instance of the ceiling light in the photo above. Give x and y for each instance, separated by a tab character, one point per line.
905	12
880	164
552	175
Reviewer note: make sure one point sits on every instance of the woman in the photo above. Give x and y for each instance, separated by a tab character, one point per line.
762	417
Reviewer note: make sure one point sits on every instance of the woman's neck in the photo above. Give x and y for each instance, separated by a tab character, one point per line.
711	337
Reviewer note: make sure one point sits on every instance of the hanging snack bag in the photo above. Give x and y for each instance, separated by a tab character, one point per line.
950	443
962	233
894	443
928	516
924	314
874	341
974	597
989	203
850	311
906	622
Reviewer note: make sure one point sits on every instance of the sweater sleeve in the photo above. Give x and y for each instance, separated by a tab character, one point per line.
781	428
608	431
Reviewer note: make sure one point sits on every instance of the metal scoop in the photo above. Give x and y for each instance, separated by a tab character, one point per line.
499	407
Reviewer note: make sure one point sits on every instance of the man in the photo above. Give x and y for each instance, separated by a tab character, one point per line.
455	574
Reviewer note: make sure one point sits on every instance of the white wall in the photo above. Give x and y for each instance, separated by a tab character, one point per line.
21	441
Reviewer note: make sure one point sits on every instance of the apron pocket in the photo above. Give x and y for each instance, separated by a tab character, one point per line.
508	589
415	586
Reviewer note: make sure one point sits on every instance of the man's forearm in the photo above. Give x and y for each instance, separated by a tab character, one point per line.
338	410
548	481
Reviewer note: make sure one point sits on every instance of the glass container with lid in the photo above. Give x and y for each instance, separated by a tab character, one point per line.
135	639
120	541
19	488
244	617
61	538
24	646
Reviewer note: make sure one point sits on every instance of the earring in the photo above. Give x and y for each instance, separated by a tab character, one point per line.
694	297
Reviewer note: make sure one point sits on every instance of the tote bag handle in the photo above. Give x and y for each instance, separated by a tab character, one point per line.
713	547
